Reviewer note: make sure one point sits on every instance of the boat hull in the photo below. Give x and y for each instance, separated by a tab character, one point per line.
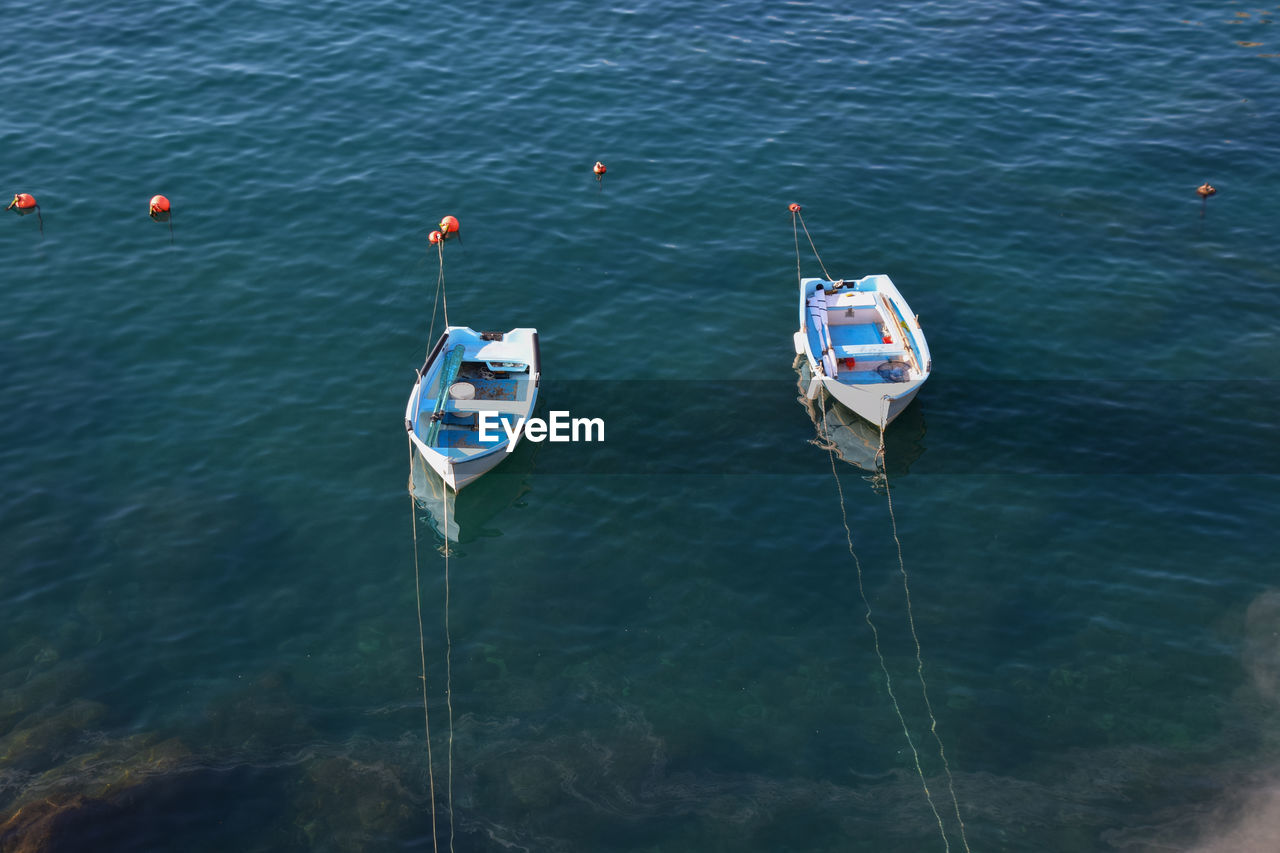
459	473
879	403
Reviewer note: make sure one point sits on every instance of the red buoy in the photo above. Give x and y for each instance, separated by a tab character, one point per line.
435	237
793	207
599	169
159	205
449	226
24	204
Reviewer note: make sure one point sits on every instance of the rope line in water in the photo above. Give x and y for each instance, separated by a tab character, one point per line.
435	303
448	659
875	633
422	650
796	215
906	590
444	296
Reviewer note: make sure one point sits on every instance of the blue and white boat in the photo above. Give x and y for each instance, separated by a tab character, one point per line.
863	345
472	380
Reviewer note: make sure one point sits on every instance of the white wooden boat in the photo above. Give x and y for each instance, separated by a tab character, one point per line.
466	375
862	344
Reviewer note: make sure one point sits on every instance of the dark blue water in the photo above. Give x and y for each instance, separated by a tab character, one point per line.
210	637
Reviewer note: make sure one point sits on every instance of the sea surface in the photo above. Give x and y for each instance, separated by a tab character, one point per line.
1053	625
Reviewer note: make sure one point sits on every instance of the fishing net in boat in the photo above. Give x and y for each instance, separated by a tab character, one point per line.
894	371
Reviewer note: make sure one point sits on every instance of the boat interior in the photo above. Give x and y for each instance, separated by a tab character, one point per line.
478	386
867	336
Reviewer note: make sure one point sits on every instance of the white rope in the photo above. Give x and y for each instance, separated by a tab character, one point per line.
435	303
797	215
906	590
422	651
875	633
795	232
440	288
448	659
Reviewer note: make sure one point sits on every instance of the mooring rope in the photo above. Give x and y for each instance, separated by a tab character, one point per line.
906	590
422	651
448	659
435	303
796	215
875	633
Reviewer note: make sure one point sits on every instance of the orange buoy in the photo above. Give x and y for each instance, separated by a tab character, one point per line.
435	237
599	168
449	226
158	206
1204	191
793	207
24	204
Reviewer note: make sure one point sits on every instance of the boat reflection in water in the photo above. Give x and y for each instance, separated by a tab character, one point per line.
469	514
856	440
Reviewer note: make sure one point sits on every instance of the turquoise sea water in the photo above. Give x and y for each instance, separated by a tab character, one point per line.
207	559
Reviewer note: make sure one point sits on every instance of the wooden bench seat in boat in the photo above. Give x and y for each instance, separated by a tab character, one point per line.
863	341
510	407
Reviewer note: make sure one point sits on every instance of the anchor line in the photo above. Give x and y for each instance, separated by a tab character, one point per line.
435	303
797	215
448	661
444	294
906	590
422	652
875	633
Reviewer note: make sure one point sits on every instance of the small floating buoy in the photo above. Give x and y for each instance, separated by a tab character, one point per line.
435	237
449	228
1204	191
25	204
158	209
599	169
793	207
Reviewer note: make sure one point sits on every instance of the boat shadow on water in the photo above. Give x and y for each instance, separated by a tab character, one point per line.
856	440
469	514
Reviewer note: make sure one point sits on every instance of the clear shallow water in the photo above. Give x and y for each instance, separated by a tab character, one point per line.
210	635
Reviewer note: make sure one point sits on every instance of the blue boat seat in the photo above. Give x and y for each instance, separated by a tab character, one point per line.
854	334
